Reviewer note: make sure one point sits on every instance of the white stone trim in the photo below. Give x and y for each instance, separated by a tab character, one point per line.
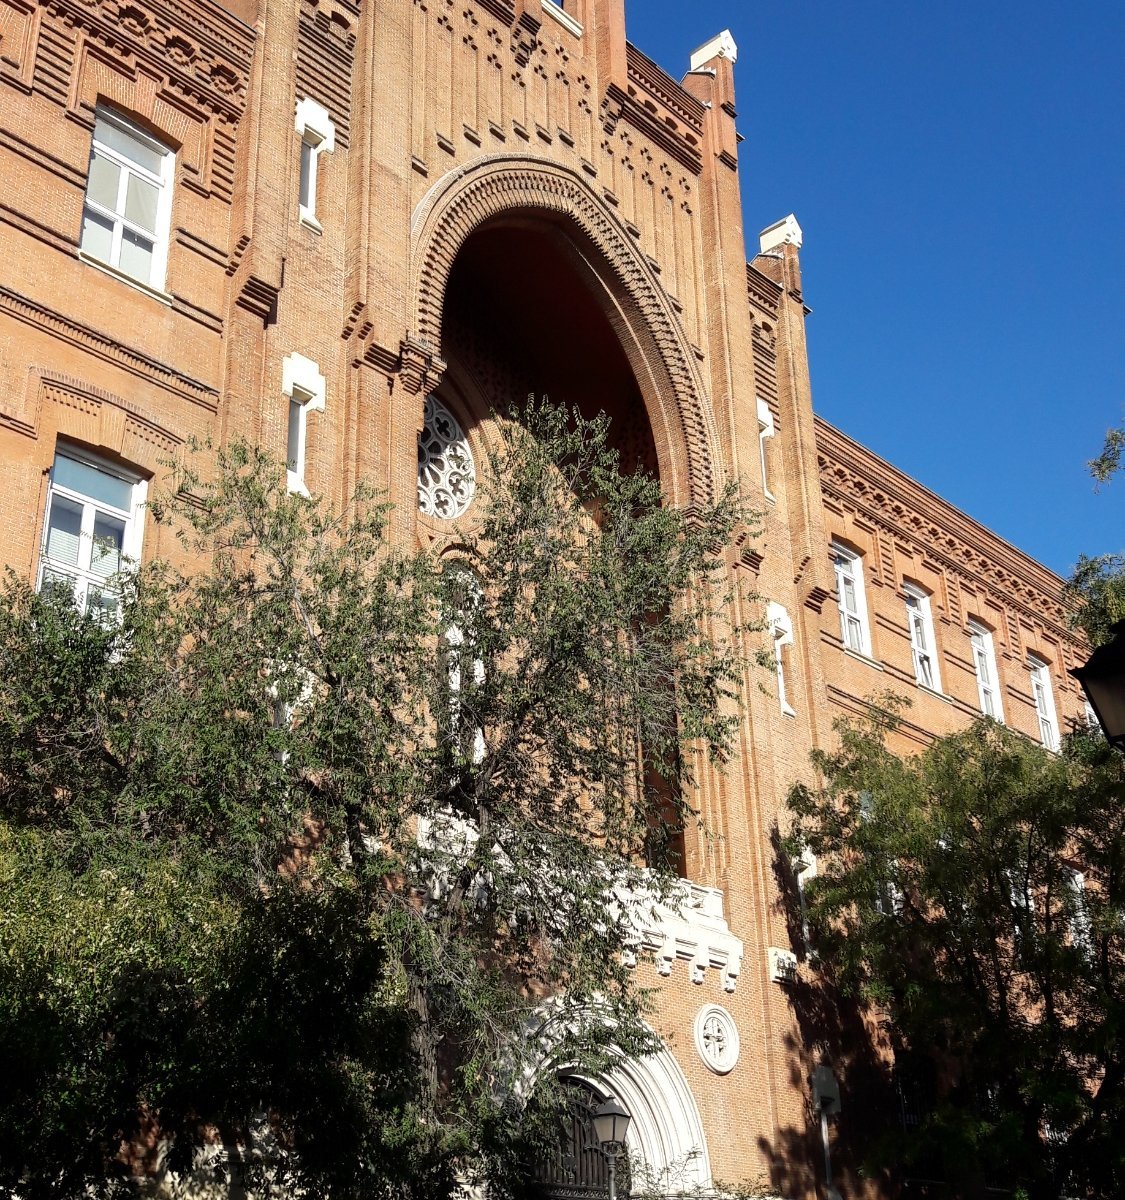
722	45
709	1019
556	12
785	232
314	122
687	926
302	375
781	632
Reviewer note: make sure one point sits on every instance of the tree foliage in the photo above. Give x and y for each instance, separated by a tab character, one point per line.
947	898
324	853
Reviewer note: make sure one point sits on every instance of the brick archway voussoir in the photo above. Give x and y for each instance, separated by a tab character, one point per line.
458	205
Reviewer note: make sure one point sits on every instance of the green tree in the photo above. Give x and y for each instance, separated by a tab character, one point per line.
974	897
323	852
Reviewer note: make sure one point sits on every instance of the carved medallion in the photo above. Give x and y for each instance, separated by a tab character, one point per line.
716	1038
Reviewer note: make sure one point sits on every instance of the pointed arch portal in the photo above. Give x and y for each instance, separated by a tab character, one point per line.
508	191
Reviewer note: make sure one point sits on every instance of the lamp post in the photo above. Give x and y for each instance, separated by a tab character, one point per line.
611	1123
1103	680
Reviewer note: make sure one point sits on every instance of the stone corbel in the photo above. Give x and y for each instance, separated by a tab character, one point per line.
420	367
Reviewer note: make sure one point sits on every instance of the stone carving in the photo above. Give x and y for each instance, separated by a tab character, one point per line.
716	1038
446	471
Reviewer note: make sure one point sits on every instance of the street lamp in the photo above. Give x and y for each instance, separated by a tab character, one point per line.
1103	680
611	1123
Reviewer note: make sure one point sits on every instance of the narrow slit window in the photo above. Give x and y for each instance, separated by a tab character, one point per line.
318	136
304	386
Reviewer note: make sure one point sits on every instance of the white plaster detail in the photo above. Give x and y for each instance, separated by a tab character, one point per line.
781	631
300	374
313	121
716	1038
783	965
785	232
687	925
447	478
722	45
556	11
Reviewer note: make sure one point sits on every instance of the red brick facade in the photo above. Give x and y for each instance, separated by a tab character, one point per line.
506	197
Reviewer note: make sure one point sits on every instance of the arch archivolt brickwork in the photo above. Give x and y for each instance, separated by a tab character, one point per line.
679	413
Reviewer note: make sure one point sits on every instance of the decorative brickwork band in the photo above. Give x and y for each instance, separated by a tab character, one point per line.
681	419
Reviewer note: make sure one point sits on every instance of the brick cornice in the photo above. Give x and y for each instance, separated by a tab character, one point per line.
203	49
98	344
908	509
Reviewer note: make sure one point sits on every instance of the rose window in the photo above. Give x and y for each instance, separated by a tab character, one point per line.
446	472
716	1038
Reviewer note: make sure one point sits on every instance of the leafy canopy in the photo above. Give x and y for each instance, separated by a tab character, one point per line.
326	852
975	894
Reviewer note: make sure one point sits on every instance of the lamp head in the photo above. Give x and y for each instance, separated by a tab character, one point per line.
1103	680
611	1123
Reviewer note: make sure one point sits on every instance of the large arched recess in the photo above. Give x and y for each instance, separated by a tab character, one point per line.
619	279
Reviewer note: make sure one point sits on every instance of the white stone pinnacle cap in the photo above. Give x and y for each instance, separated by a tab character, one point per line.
785	232
722	45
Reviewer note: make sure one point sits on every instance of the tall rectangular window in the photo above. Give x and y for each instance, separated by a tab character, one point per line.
923	644
765	432
304	386
318	136
850	595
92	531
127	214
988	679
1044	702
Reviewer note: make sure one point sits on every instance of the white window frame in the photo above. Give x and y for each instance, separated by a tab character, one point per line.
766	430
781	634
303	384
988	675
81	575
161	180
1081	930
318	136
855	630
1044	697
923	640
805	869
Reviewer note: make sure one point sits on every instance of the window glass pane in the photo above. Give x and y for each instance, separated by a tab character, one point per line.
97	235
109	538
104	182
103	604
64	527
136	255
140	202
93	482
296	417
306	176
128	145
58	585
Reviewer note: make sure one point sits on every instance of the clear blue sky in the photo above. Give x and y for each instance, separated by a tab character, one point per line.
958	170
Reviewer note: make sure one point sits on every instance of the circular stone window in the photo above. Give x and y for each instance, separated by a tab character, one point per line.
447	476
716	1038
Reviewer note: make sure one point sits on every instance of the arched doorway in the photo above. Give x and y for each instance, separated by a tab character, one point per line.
578	1170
